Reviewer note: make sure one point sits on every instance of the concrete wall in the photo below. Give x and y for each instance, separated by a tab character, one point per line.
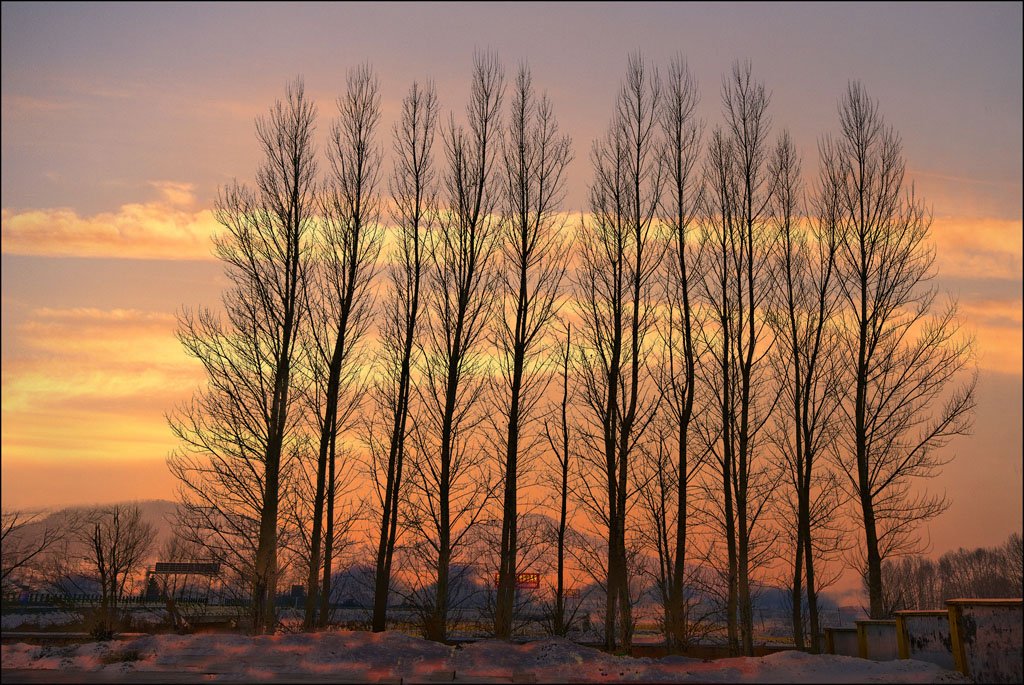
877	640
988	639
924	636
843	641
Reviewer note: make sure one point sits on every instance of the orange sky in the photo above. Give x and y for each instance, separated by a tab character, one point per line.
111	161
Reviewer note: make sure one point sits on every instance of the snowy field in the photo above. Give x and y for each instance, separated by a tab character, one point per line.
370	657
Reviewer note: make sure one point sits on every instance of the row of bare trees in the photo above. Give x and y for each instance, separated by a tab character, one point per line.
915	582
749	353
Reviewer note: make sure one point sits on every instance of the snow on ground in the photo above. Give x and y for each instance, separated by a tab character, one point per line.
369	657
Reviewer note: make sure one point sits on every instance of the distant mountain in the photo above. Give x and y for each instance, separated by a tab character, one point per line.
158	512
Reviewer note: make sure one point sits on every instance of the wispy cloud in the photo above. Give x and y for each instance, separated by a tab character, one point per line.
998	325
978	248
27	104
171	227
93	382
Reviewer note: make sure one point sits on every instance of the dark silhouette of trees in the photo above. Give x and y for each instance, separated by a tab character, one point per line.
237	432
904	357
679	328
730	330
339	300
915	582
413	193
619	260
559	440
535	157
738	284
116	542
451	482
808	366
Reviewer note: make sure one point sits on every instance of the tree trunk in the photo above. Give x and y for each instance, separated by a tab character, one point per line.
732	629
798	622
507	570
325	595
625	606
677	602
389	515
560	627
874	561
437	627
812	594
612	585
265	585
746	606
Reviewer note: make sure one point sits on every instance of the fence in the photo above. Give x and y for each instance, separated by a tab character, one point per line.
876	640
52	599
987	638
923	634
981	638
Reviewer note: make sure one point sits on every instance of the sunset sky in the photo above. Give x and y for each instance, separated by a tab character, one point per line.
120	121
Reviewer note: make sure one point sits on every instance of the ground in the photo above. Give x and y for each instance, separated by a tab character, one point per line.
343	656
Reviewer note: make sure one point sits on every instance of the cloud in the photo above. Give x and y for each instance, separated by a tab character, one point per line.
978	248
983	257
168	228
26	104
998	325
93	382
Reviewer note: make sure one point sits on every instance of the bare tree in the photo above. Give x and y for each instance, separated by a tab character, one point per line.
676	585
339	299
413	192
806	358
117	542
620	257
25	537
451	483
344	513
679	331
535	159
559	440
236	433
737	286
905	357
916	582
829	540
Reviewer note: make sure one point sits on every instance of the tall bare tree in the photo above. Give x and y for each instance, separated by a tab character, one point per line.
535	158
679	331
347	243
415	204
829	541
235	433
808	365
559	440
716	231
451	482
737	289
620	257
906	356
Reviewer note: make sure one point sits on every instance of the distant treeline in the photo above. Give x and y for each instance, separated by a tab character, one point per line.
918	582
